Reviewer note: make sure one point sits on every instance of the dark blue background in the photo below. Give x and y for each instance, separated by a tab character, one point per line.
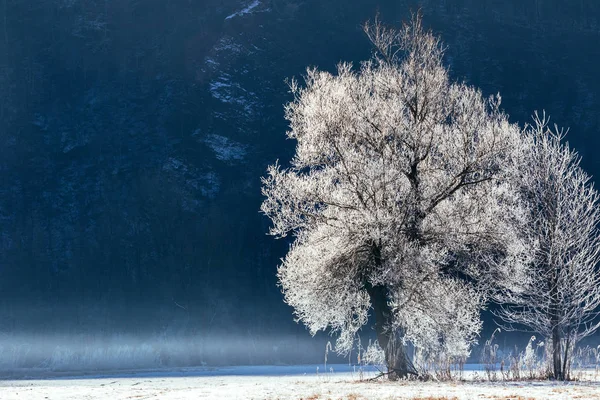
117	214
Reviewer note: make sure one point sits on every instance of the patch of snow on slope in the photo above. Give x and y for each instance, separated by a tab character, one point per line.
220	89
211	185
228	44
207	182
226	91
247	10
225	149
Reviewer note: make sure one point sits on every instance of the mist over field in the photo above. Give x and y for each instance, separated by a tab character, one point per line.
133	138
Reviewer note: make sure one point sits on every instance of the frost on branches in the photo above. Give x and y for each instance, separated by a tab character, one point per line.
561	295
396	193
444	322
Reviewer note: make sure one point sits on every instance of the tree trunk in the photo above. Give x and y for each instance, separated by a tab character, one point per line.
556	331
566	367
556	353
397	361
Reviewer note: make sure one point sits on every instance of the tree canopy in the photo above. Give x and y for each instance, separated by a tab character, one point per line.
397	191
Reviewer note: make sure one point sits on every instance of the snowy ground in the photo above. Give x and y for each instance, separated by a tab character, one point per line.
280	383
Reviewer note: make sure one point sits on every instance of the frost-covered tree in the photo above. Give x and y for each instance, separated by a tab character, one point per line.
560	295
395	190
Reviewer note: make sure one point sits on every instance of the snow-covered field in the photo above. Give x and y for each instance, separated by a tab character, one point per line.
301	382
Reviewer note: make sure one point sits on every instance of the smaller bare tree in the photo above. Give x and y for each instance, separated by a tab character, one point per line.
560	295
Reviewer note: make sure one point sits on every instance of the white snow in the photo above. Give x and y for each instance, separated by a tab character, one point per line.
302	382
226	91
211	184
221	90
224	148
228	44
247	10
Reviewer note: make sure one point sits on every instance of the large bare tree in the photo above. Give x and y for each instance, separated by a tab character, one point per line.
560	295
396	187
